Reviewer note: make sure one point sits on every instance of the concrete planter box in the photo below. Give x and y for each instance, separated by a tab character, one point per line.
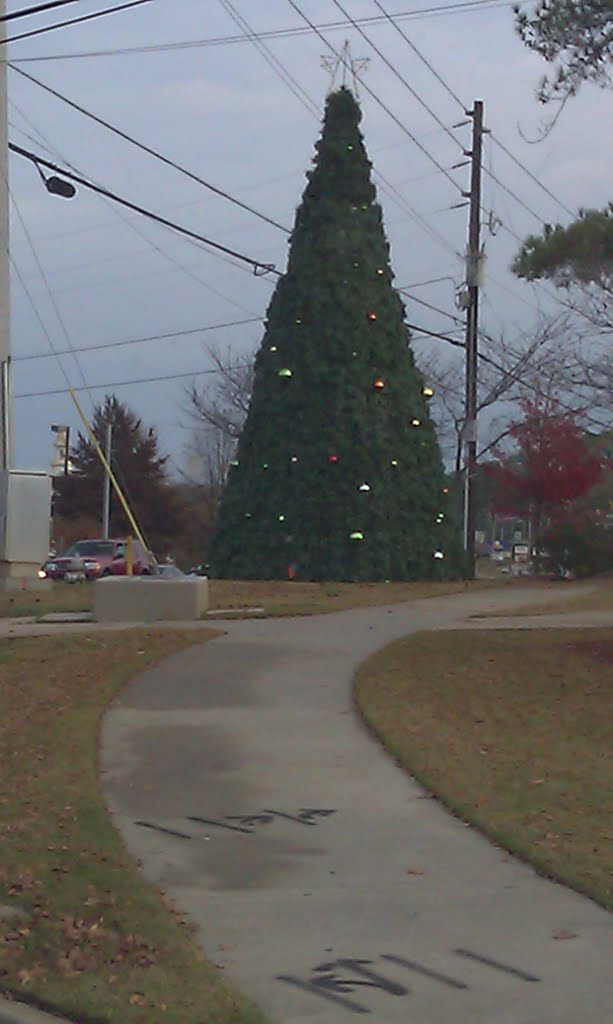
146	599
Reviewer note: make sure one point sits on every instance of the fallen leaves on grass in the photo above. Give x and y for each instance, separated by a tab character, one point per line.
513	731
94	933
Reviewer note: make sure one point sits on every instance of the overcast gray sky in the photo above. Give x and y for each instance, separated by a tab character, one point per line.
218	108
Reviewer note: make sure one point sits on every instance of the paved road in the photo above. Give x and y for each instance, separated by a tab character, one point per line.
319	876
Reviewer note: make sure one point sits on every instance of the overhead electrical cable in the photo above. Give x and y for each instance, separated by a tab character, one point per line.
187	270
308	102
42	325
148	149
509	374
400	76
445	9
138	341
258	266
377	100
534	178
118	383
188	332
393	20
271	59
36	10
52	298
75	21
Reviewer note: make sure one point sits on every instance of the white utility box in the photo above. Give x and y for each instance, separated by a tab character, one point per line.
25	519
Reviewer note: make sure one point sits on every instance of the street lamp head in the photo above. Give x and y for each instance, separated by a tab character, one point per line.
59	187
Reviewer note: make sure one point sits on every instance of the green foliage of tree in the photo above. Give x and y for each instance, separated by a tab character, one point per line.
140	472
338	474
580	543
580	252
576	36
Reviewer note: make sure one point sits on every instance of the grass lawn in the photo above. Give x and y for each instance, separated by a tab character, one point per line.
275	597
599	599
96	942
514	732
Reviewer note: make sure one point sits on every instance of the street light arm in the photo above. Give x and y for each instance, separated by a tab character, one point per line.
258	266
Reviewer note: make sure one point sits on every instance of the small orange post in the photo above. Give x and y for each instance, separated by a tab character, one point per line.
129	556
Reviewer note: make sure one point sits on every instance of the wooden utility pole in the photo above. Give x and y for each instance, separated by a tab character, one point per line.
473	271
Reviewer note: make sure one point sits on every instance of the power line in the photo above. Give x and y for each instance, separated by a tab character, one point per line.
133	227
429	305
393	19
258	266
298	91
398	75
510	374
467	7
301	95
52	298
534	178
148	149
36	10
380	102
117	384
192	373
306	100
436	334
513	195
138	341
76	21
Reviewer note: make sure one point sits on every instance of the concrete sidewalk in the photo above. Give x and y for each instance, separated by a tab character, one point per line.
19	1013
323	880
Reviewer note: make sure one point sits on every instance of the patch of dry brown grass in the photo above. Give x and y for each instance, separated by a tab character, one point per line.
276	597
59	597
513	731
95	941
595	596
292	598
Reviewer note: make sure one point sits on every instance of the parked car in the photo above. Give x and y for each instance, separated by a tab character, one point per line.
199	570
90	559
169	572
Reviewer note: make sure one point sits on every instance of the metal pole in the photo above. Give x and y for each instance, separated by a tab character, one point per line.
5	316
5	429
67	452
106	494
473	262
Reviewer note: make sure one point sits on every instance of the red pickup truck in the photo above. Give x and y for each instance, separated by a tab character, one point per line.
91	559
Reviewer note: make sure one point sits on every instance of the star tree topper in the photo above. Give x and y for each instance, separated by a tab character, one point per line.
342	62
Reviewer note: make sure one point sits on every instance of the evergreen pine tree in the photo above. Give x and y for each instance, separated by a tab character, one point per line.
140	471
338	473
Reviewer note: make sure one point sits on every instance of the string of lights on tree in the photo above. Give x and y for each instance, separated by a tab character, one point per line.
378	385
338	473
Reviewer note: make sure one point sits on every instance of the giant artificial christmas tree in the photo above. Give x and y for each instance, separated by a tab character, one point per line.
338	473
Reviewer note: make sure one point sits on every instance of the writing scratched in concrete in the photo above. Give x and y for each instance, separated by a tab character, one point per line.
338	980
246	823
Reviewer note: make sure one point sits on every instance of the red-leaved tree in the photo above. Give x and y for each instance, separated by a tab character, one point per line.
553	465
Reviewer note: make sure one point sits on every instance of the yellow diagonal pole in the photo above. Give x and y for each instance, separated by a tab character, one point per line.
108	470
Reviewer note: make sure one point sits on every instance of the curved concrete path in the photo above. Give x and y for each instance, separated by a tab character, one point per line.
321	878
